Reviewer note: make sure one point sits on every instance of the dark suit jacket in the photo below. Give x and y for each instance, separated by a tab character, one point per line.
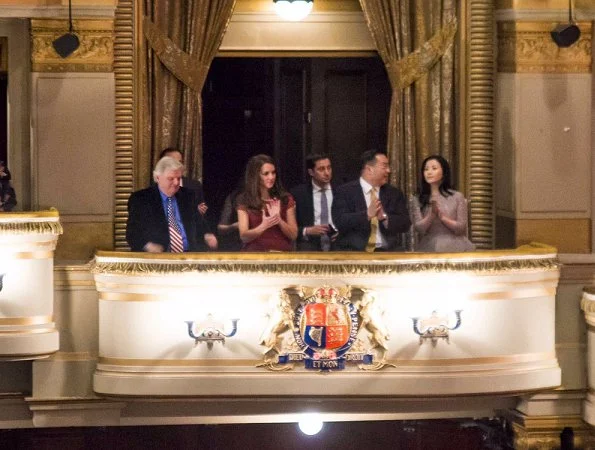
304	214
351	218
147	221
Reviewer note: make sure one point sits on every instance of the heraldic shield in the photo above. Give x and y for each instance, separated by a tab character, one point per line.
325	325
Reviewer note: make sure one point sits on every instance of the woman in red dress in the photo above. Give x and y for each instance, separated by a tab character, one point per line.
266	212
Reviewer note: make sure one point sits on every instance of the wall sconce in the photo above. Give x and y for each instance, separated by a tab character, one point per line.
293	10
210	330
435	327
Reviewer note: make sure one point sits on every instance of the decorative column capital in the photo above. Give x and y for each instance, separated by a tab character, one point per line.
95	53
588	304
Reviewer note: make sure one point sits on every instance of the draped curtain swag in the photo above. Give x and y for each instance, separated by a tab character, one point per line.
182	38
415	41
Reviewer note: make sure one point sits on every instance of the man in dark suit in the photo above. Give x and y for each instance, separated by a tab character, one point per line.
194	186
164	218
369	213
313	206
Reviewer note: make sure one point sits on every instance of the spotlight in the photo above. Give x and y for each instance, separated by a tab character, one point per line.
311	423
66	44
566	34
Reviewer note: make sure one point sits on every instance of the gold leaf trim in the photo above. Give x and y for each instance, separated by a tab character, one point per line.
94	54
317	268
527	47
133	362
136	297
26	332
31	228
508	359
20	215
588	305
128	110
32	255
32	320
477	103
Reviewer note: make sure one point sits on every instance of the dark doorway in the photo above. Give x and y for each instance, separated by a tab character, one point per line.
288	108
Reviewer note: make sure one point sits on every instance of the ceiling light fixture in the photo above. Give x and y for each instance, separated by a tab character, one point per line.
293	10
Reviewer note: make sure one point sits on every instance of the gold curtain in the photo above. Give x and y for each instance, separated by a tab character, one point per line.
182	38
415	40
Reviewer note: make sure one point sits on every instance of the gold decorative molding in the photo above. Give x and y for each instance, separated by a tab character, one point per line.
128	108
527	47
26	321
30	228
477	116
588	305
95	53
343	264
543	4
543	432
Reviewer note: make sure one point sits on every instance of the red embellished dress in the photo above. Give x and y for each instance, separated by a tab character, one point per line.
271	239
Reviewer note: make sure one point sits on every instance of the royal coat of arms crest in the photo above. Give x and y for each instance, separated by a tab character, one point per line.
324	328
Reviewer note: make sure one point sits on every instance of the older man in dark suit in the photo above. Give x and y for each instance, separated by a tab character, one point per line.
369	213
313	206
192	185
164	217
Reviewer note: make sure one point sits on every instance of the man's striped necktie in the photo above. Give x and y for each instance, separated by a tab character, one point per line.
176	244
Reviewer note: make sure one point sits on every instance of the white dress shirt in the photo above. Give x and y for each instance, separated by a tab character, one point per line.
316	193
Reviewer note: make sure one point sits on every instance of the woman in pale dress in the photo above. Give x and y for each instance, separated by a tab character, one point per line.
439	212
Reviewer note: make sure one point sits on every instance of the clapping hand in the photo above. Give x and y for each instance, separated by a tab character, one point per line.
374	208
202	208
271	214
436	211
152	247
211	241
380	215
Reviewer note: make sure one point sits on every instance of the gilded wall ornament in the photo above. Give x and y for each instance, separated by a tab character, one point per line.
527	47
325	328
95	53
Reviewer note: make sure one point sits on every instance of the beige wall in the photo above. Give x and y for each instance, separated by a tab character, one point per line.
543	147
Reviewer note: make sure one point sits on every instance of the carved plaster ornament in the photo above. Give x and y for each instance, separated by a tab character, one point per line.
325	328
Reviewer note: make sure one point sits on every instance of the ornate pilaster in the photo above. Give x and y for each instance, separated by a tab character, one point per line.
94	54
545	432
479	108
527	47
